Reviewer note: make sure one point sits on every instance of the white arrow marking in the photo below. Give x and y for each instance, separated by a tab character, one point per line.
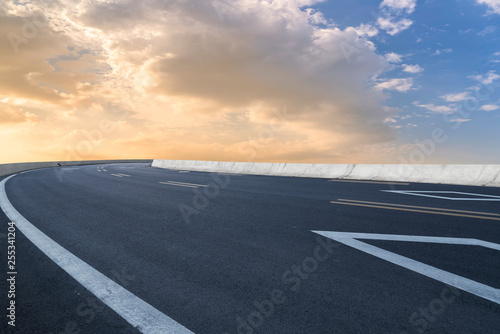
478	289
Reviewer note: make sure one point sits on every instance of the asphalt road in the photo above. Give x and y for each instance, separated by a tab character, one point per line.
237	253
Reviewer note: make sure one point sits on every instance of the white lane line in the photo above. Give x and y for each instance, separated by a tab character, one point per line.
420	207
183	184
189	184
423	193
134	310
120	175
478	289
178	185
443	192
417	238
373	182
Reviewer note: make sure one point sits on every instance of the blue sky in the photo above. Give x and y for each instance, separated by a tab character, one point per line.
454	42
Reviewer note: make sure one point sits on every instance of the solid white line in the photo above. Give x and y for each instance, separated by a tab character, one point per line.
178	185
121	174
117	175
443	192
433	208
413	238
134	310
371	182
189	184
423	193
460	282
186	184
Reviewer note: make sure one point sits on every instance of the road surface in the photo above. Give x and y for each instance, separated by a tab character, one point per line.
216	253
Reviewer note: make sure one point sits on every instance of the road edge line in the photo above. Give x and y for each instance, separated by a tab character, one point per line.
134	310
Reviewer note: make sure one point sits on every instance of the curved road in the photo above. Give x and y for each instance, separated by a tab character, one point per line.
237	253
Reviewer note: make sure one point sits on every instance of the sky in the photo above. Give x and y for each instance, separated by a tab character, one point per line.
305	81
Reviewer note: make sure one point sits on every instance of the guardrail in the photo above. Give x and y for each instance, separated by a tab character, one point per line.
465	174
8	169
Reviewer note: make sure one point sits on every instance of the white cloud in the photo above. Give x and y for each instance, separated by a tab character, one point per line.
438	52
393	18
439	109
412	68
489	107
400	85
488	30
366	30
460	120
392	25
399	5
393	57
495	58
456	97
486	79
494	5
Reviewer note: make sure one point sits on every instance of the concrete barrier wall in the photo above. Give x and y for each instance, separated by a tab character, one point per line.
8	169
477	175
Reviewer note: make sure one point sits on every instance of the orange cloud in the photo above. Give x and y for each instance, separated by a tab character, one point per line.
260	81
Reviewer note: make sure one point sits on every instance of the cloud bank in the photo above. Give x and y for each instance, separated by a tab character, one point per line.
189	80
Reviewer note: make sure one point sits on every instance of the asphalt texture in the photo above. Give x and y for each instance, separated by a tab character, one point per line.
237	256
